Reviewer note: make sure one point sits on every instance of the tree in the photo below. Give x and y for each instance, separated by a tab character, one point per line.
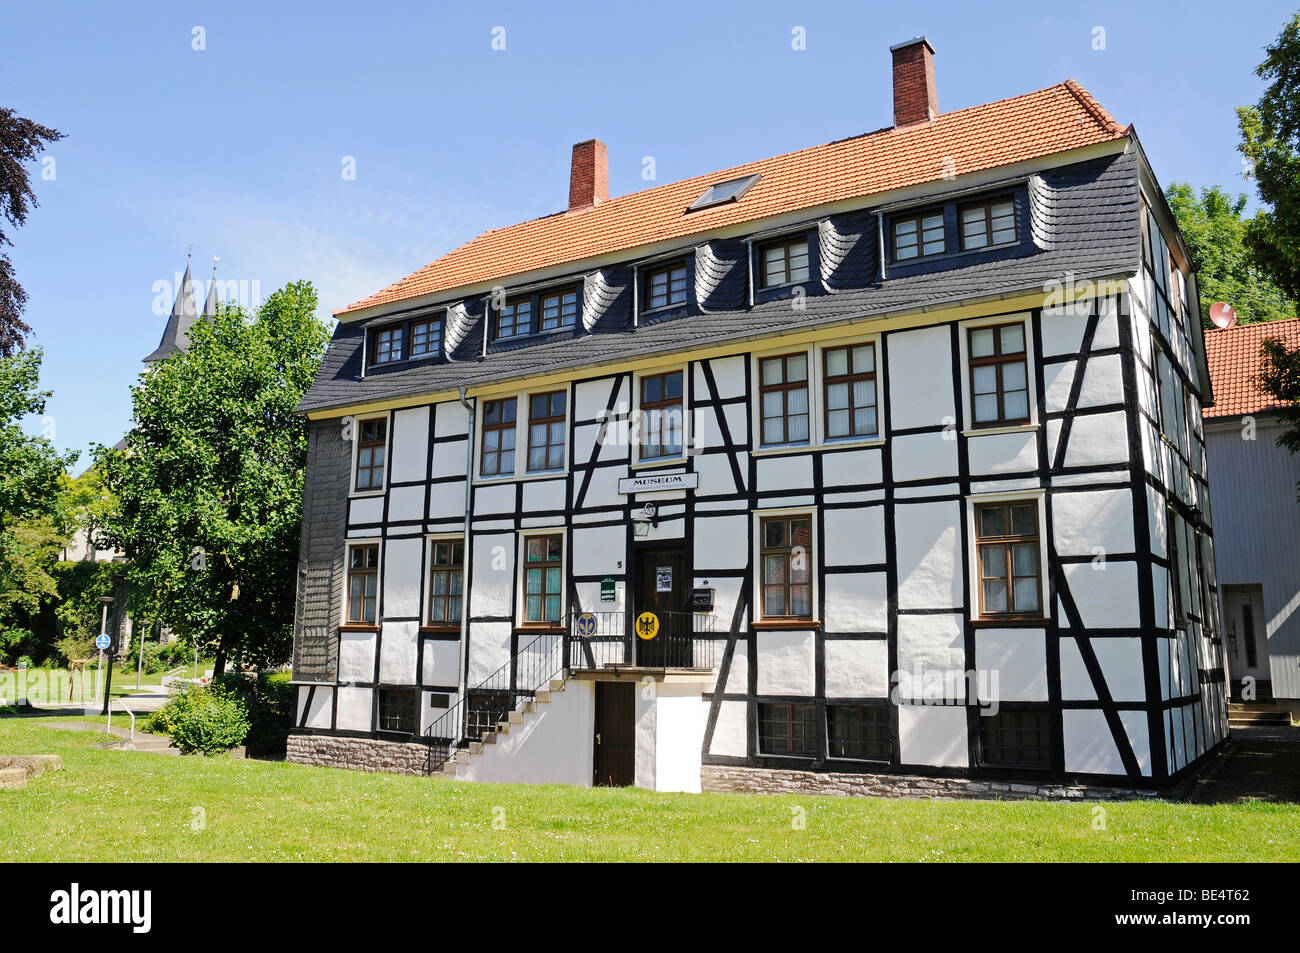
21	140
31	471
1215	234
210	483
1270	140
1279	375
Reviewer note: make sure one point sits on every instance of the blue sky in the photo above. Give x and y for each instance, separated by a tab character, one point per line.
239	147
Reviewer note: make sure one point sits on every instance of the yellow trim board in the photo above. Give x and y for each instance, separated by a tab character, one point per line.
1068	292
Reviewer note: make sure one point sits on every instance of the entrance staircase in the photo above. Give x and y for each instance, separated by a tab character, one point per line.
499	701
1257	715
528	708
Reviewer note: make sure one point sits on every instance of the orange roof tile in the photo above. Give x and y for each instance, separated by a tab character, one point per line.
1052	120
1233	356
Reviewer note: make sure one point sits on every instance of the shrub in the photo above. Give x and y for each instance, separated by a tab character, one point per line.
268	698
209	722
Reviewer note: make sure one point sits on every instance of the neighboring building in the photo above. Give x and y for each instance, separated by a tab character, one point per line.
865	426
1254	498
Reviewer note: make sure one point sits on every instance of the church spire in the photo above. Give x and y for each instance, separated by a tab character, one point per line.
210	306
175	336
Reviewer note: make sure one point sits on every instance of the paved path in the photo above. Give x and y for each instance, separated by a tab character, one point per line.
1261	764
158	744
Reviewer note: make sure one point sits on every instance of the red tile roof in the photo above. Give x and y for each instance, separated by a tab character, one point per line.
1234	361
1056	119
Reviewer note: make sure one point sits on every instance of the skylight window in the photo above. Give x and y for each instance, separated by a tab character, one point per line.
723	192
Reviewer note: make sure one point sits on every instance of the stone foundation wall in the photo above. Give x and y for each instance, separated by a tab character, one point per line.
772	781
360	754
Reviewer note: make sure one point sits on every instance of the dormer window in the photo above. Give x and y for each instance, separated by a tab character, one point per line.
559	310
388	345
988	224
417	339
918	236
514	319
665	286
426	338
785	262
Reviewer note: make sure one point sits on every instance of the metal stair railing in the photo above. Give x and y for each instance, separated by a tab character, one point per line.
481	707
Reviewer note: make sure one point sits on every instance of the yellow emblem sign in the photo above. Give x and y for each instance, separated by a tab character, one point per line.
647	625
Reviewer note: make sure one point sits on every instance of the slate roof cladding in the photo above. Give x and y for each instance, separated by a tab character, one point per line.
850	257
720	275
1234	360
1093	204
1046	122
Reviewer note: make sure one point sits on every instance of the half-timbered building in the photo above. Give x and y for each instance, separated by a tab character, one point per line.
878	459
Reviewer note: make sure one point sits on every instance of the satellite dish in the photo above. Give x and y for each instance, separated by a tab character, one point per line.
1223	315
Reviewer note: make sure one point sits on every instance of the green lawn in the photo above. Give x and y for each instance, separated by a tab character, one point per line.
110	805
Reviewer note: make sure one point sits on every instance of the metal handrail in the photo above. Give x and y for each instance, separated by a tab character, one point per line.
528	671
108	726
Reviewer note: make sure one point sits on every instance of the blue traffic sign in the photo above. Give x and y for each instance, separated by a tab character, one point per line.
586	625
102	642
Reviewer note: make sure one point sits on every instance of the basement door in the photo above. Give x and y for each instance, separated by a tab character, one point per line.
615	734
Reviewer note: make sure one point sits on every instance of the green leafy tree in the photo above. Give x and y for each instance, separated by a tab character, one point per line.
209	487
1270	140
31	470
1215	232
85	503
1279	375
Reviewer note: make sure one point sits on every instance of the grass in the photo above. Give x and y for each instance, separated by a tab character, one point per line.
105	805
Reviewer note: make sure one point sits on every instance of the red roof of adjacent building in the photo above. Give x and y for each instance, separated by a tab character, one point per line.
1052	120
1233	356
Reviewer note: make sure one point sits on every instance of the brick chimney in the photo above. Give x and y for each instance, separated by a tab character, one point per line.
589	176
914	95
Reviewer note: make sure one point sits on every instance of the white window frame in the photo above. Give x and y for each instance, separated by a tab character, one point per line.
348	544
521	559
756	359
756	557
522	415
819	360
427	601
783	238
1039	498
1031	373
353	492
687	429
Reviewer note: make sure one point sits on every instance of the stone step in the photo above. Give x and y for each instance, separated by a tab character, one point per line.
515	718
542	697
557	685
13	778
503	728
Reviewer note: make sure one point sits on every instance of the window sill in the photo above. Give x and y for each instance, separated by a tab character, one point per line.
780	448
1010	428
440	630
663	308
658	462
366	494
847	443
358	627
511	478
788	625
1011	622
540	630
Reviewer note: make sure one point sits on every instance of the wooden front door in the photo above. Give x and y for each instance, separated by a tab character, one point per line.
661	590
615	734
